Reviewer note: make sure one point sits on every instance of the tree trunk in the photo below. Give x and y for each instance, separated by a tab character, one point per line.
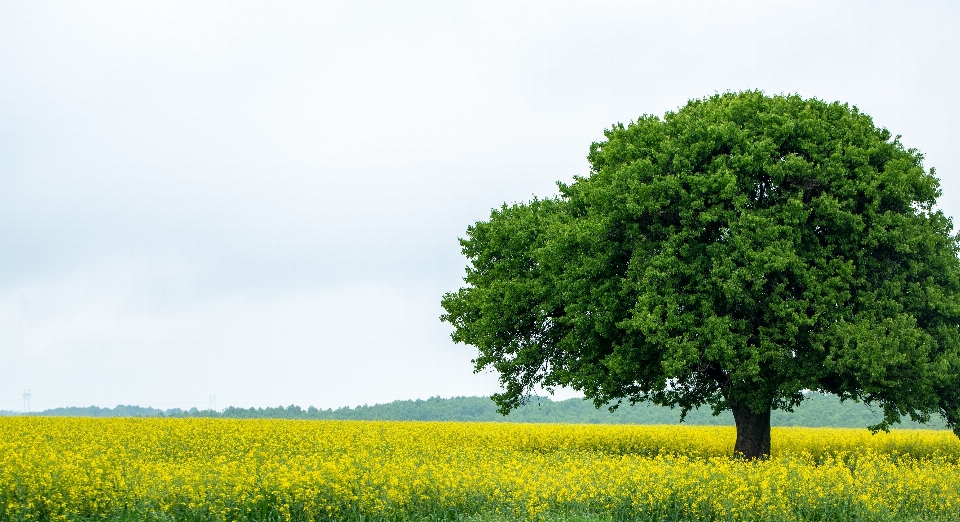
753	433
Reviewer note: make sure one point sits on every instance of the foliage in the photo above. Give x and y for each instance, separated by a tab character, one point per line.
731	255
817	410
219	469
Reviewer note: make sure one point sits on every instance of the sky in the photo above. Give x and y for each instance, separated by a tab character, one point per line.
206	204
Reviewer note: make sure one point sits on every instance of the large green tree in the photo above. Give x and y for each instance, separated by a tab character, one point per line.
730	255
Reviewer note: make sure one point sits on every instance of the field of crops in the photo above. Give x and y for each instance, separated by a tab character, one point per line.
218	469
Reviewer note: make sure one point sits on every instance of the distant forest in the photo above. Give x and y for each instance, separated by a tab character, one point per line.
817	411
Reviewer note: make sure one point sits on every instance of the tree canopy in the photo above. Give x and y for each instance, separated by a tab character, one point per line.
732	254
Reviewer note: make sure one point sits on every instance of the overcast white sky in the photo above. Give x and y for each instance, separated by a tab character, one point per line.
262	201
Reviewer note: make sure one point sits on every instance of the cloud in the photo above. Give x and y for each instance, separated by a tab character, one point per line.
122	333
194	194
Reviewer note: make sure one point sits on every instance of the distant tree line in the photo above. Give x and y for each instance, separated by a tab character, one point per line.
816	411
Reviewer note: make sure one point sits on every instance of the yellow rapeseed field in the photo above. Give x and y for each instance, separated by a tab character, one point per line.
219	469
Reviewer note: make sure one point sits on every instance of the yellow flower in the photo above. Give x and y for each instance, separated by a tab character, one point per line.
223	468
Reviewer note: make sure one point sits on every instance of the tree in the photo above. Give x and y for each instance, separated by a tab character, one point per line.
733	254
